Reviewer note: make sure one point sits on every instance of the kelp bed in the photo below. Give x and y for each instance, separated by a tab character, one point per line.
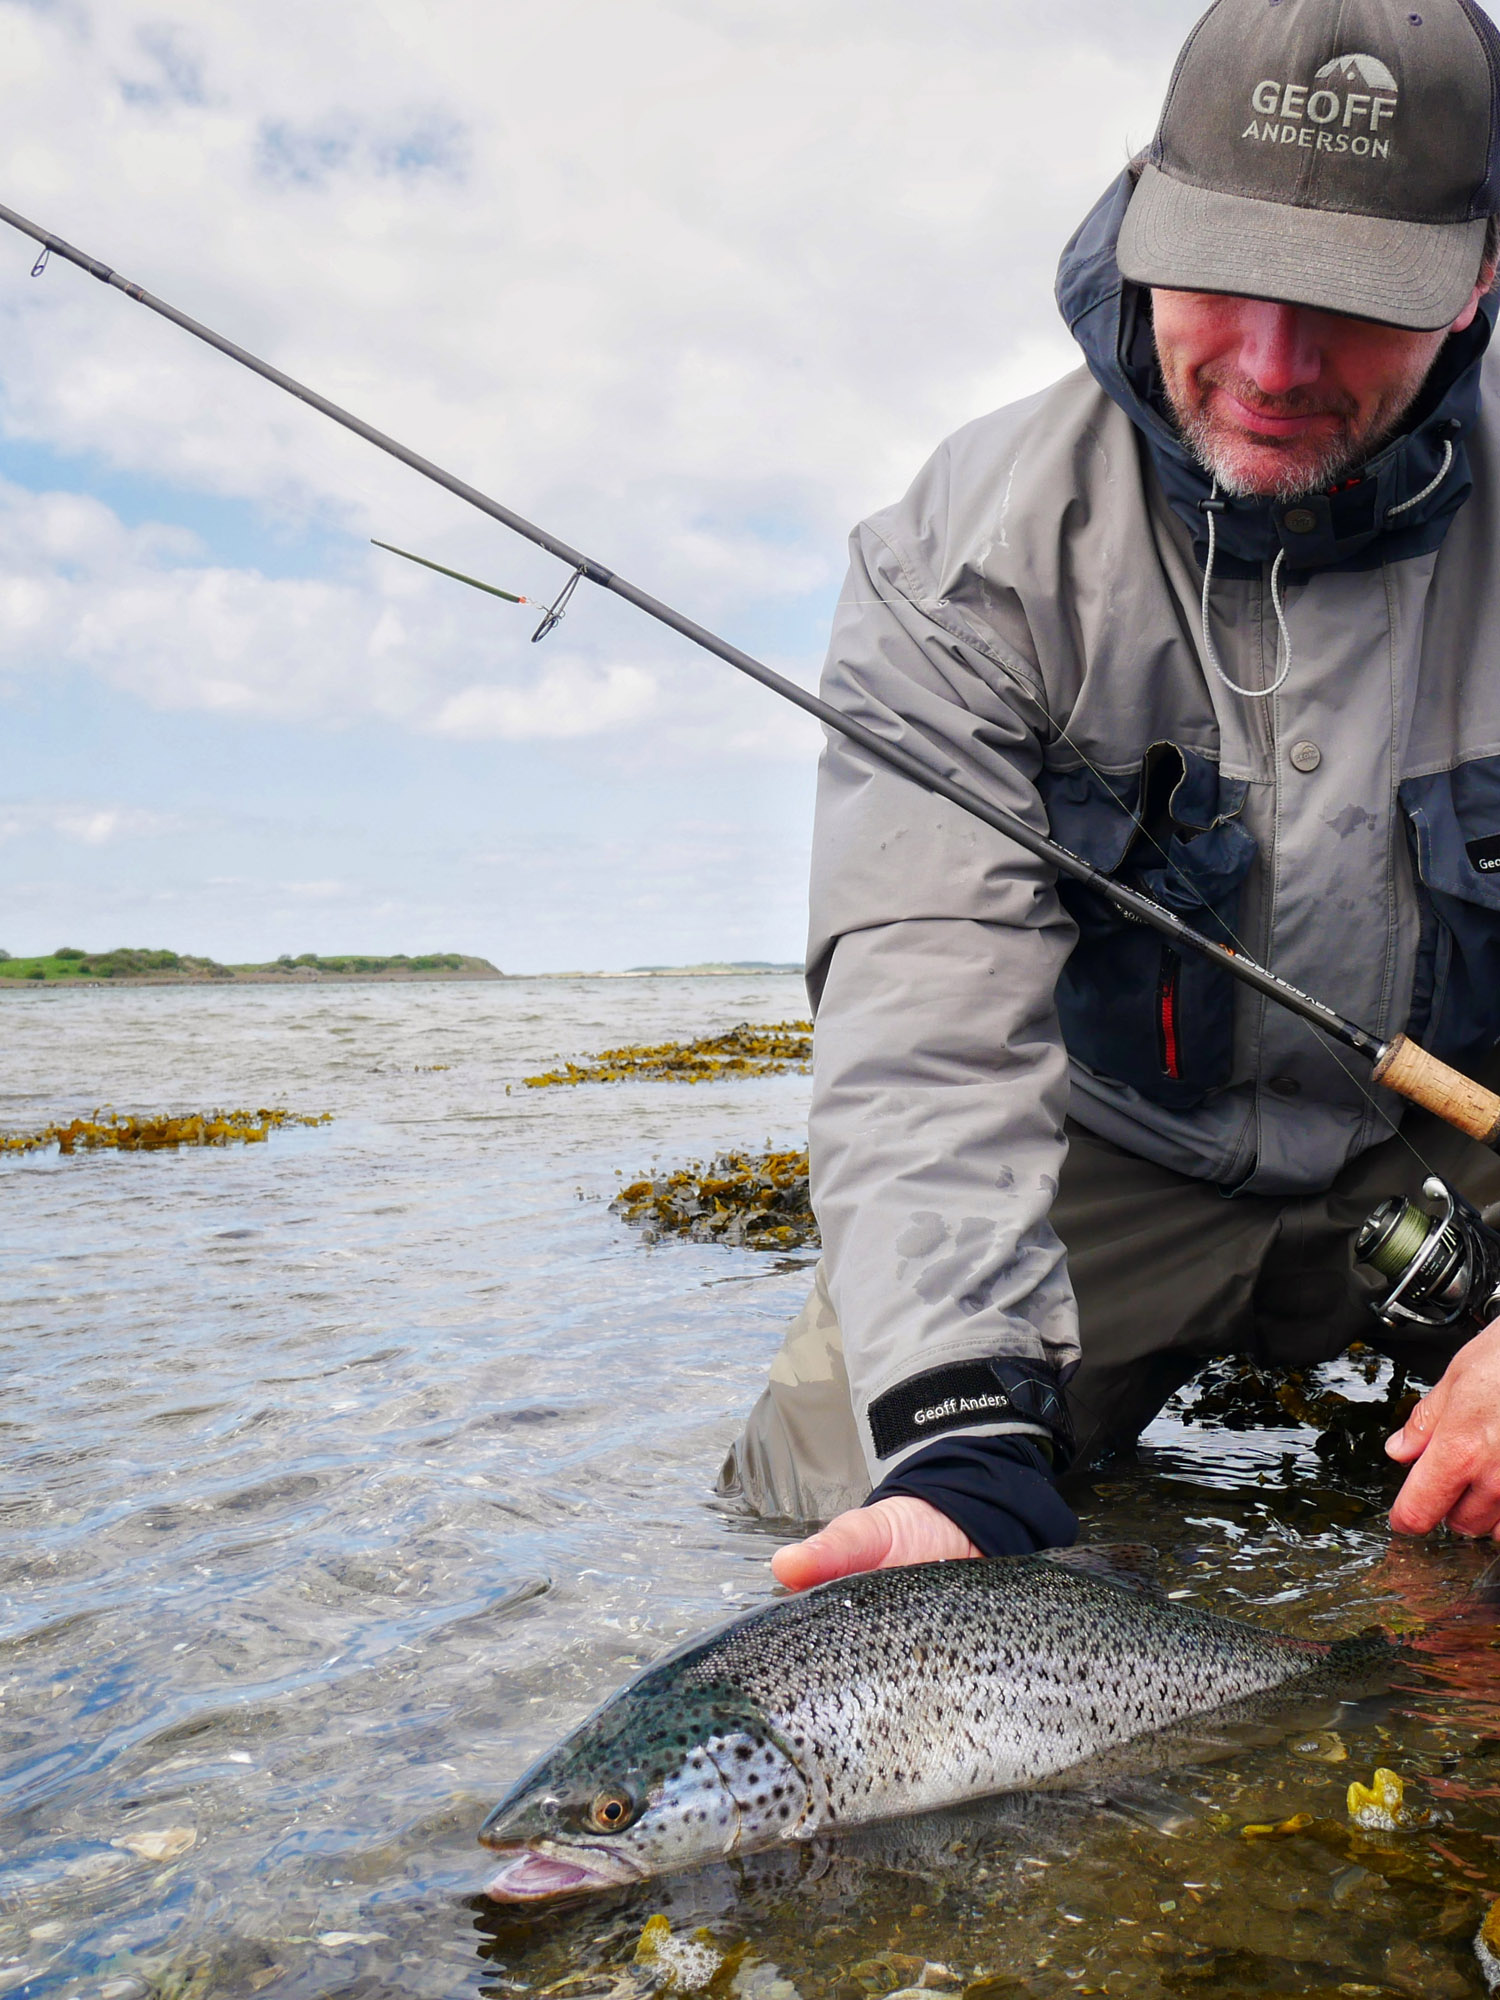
137	1133
1235	1395
758	1201
752	1049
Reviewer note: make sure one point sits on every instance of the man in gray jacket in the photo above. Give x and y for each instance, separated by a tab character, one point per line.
1222	611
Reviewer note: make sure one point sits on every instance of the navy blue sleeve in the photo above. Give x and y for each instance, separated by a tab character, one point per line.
999	1490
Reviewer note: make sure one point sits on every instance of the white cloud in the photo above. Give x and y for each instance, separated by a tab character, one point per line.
77	588
102	824
631	266
316	892
93	825
568	699
693	285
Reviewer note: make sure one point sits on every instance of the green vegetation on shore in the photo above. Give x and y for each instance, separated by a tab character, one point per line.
70	964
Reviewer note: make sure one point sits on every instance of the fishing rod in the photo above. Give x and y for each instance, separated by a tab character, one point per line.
1400	1063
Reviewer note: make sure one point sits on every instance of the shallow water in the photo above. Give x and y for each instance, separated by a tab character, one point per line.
339	1475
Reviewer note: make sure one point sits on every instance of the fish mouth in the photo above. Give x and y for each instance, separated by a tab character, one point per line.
531	1874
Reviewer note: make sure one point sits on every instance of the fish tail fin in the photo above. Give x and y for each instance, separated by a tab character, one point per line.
1371	1647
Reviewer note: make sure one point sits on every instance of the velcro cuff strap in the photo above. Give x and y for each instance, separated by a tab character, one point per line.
963	1394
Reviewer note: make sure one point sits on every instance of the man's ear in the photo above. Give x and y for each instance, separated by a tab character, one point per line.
1488	269
1466	317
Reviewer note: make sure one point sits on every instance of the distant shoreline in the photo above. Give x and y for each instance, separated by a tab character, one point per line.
133	966
246	979
473	969
676	972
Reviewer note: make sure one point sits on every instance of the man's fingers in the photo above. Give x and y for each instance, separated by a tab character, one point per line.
1416	1433
1434	1486
1477	1512
855	1541
1451	1441
885	1535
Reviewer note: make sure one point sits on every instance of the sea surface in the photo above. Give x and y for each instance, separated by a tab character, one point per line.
341	1474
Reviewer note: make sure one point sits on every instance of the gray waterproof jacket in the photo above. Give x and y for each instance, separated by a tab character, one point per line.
1028	619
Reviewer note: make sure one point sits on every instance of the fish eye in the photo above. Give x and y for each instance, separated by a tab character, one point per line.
612	1809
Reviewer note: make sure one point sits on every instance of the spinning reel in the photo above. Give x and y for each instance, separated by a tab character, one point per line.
1443	1270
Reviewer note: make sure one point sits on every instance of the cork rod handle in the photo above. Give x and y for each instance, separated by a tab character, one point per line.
1448	1093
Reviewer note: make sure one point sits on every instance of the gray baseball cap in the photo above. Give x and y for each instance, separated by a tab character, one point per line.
1343	154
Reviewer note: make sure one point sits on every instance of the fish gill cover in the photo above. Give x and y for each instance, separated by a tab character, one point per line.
751	1049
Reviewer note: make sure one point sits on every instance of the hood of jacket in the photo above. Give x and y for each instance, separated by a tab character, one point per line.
1352	527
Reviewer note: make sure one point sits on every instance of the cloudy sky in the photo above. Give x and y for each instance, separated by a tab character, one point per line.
695	285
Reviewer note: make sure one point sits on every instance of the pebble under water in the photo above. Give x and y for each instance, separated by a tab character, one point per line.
341	1474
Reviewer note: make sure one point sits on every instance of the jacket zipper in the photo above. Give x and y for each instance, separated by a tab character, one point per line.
1166	1015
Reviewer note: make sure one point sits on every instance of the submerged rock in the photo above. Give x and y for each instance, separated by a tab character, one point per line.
1383	1807
1487	1947
681	1964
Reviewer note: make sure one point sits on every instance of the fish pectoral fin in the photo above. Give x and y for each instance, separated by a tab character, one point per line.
1131	1565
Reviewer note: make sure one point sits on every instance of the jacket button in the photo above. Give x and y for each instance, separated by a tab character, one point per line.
1299	520
1285	1086
1306	756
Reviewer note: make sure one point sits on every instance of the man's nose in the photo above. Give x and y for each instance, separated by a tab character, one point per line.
1277	350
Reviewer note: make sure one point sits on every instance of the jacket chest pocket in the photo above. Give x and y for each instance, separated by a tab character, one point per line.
1453	820
1132	1007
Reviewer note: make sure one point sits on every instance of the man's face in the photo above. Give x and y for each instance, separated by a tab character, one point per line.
1278	401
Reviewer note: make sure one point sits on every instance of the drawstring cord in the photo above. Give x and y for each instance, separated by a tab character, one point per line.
1430	488
1213	508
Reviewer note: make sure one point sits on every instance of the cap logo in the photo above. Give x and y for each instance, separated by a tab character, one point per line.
1345	109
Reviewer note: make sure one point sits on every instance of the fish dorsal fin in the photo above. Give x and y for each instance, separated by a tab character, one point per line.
1131	1565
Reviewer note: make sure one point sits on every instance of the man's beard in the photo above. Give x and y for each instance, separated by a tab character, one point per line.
1302	465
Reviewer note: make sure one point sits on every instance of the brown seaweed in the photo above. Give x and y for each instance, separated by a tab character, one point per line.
751	1049
758	1201
152	1132
1235	1394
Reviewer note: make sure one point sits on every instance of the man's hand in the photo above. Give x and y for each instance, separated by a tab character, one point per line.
887	1535
1452	1441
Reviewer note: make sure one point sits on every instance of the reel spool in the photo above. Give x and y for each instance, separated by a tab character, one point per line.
1442	1269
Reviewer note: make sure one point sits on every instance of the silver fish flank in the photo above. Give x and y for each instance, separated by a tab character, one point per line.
888	1693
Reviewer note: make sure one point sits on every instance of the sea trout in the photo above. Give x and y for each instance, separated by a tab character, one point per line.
888	1693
